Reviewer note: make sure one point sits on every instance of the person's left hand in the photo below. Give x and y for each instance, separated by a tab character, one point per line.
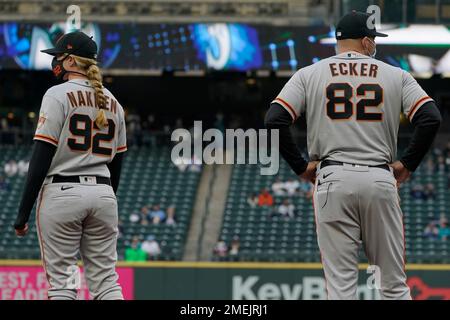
22	232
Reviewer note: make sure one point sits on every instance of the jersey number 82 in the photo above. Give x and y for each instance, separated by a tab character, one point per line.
345	99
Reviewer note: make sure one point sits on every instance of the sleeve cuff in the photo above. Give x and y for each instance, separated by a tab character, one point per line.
121	149
287	106
45	138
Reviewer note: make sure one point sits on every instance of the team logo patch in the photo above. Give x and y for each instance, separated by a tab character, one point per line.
41	120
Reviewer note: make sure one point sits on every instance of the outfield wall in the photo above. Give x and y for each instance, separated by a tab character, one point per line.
25	279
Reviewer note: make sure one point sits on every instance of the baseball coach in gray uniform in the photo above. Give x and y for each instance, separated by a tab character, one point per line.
352	105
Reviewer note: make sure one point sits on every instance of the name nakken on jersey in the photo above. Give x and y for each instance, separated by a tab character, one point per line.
83	98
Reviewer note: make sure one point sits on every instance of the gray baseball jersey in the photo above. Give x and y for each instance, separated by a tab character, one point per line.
352	105
67	120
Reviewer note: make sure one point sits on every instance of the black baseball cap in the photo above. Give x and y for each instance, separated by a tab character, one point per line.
76	43
354	26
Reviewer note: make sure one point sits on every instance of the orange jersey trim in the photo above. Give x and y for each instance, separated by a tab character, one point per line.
122	149
416	106
288	106
46	138
41	242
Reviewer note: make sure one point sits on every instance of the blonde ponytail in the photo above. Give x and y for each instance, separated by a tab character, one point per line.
95	78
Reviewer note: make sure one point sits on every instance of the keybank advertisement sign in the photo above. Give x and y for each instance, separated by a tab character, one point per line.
267	284
222	281
311	288
237	284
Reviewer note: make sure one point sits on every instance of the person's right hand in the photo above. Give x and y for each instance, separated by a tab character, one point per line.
401	173
21	232
310	172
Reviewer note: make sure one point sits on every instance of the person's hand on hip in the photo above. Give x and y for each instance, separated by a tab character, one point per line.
310	172
401	173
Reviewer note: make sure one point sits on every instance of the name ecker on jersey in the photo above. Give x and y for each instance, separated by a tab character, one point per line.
84	98
311	288
354	69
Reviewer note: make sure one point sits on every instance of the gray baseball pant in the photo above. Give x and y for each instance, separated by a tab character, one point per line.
77	218
357	205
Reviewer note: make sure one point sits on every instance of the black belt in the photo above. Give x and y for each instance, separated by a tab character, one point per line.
327	163
78	179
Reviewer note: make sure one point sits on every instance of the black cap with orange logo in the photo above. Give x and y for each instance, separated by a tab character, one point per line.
76	43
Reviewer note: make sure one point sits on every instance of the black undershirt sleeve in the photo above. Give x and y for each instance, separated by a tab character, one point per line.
278	118
40	162
426	123
115	167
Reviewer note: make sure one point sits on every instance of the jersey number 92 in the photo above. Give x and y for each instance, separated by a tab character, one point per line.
82	126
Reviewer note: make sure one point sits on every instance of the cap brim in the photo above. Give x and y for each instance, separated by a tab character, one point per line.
379	34
52	51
